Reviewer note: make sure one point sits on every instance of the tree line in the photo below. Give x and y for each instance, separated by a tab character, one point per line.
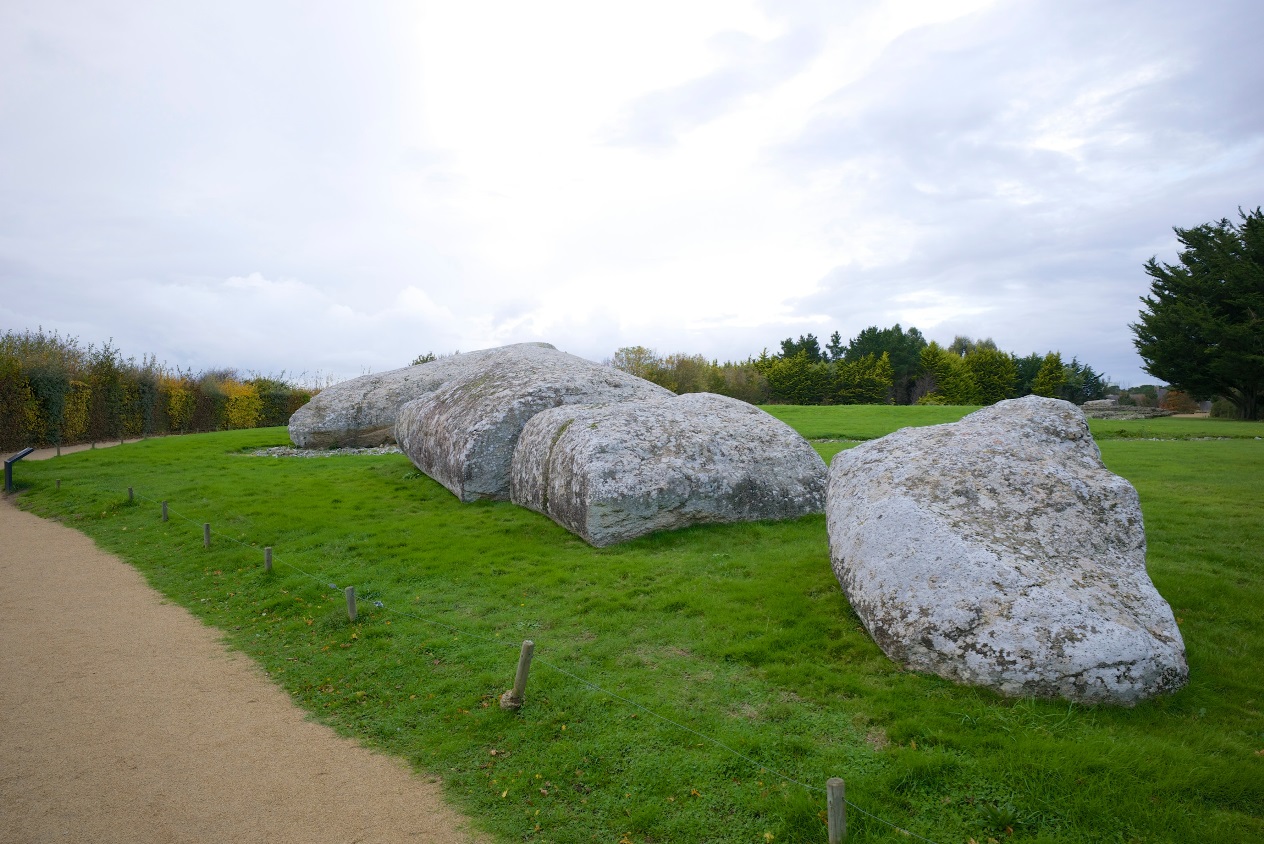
53	391
877	366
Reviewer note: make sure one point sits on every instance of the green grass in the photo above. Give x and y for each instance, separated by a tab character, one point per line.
739	632
1171	428
861	421
867	422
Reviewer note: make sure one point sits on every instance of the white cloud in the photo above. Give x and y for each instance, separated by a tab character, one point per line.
232	185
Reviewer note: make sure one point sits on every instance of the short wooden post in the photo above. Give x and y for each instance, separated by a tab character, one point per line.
164	511
267	559
59	483
513	699
351	606
836	809
206	535
131	496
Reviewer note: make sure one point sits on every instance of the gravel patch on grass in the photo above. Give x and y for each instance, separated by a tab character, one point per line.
287	451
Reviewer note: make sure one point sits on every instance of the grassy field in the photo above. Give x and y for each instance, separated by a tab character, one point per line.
739	633
870	421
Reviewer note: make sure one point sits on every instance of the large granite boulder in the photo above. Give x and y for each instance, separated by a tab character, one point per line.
463	434
361	412
611	473
999	551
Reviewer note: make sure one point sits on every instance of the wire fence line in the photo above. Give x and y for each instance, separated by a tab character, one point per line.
379	604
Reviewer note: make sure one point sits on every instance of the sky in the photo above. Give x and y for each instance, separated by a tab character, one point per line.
325	189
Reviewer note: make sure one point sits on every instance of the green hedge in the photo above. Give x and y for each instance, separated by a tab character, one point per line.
54	392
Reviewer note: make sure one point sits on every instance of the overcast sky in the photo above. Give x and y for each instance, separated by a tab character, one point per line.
336	188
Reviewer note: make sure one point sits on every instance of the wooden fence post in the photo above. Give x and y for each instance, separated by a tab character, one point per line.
206	534
351	604
514	698
836	809
267	559
131	496
164	511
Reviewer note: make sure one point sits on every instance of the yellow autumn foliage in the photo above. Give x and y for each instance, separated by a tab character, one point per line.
180	403
74	415
243	406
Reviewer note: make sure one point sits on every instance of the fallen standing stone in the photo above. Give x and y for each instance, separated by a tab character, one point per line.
614	472
361	412
463	434
999	551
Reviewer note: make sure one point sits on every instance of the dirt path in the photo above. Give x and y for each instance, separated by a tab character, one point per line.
49	453
123	719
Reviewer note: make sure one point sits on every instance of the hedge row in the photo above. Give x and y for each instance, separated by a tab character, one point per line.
53	392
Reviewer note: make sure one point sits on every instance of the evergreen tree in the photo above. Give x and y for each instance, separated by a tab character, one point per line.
1051	376
865	381
797	379
1202	328
954	382
995	373
903	348
808	344
1080	383
835	347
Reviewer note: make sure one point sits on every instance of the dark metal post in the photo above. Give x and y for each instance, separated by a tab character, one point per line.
8	468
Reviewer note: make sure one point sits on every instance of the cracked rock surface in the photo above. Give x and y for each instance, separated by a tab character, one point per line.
614	472
361	412
463	434
999	551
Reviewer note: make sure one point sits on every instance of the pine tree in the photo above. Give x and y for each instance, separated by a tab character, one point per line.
1051	376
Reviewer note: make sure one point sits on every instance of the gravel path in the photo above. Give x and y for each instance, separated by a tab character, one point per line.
124	719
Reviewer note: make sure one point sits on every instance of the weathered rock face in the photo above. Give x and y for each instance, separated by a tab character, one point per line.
361	411
614	472
463	434
999	551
